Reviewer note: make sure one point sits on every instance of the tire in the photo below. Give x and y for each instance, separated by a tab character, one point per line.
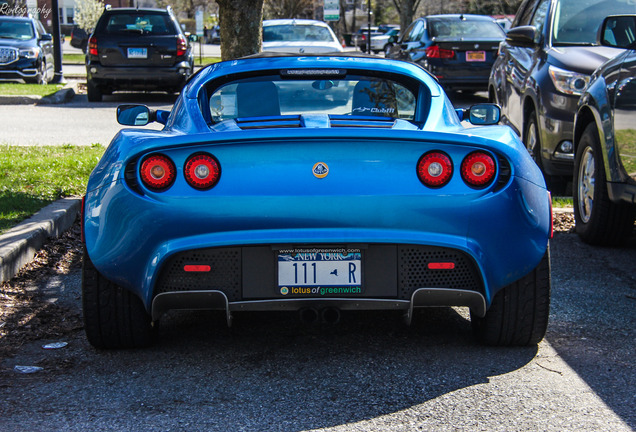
113	317
598	220
387	49
93	92
41	77
532	140
518	315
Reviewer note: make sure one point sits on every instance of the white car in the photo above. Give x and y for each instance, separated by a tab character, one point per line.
299	36
384	42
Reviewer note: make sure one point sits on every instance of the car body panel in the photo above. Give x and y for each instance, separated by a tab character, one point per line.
269	198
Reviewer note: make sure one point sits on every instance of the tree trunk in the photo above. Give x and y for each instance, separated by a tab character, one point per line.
240	23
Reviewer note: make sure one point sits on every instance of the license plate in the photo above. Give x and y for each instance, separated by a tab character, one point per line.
475	56
320	271
139	53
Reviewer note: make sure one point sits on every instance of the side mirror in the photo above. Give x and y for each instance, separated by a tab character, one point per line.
523	36
481	114
46	37
134	115
619	31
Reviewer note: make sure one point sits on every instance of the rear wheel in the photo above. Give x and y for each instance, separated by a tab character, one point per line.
518	315
599	221
113	317
93	92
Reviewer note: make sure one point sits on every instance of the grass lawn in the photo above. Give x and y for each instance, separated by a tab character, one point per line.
79	59
32	177
18	89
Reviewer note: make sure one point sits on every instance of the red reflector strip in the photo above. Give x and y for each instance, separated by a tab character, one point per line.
441	265
197	268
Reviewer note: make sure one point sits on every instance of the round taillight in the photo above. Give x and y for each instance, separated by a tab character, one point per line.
434	169
202	171
158	172
478	169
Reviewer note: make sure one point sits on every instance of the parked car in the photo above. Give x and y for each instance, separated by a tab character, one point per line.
79	38
604	180
299	36
543	68
26	50
359	38
458	49
384	42
265	191
137	49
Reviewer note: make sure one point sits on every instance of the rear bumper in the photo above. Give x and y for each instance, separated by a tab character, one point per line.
138	77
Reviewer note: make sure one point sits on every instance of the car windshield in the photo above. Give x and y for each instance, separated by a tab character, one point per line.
143	23
577	22
351	95
15	29
464	29
296	33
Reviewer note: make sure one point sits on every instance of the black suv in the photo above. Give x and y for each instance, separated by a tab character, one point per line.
543	67
26	50
137	49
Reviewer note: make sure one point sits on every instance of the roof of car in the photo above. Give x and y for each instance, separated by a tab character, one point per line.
462	16
128	10
293	22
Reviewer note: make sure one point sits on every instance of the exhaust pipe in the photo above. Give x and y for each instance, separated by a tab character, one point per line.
330	315
309	316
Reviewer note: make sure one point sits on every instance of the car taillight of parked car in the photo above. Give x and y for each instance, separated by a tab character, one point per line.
92	46
182	45
435	51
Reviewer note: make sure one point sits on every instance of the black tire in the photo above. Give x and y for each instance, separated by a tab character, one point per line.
518	315
532	140
93	92
599	221
113	317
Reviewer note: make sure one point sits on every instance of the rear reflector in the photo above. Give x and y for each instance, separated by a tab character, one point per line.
441	266
197	268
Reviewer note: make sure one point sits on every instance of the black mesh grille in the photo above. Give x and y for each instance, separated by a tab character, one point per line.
224	275
413	271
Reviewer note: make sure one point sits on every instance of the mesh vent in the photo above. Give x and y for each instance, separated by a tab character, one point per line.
361	121
130	174
413	271
225	273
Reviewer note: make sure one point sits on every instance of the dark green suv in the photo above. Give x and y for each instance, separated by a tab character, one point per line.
137	49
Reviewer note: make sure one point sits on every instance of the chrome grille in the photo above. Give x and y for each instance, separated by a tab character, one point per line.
8	55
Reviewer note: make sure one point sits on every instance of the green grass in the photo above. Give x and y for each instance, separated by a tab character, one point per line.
17	89
561	202
32	177
79	59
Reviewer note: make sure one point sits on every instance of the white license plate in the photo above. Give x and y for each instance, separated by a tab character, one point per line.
138	53
319	268
475	56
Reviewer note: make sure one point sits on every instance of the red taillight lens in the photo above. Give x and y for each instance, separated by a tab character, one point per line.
158	172
436	52
92	46
434	169
182	45
478	169
202	171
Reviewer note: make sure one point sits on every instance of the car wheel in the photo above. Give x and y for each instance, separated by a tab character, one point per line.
518	315
93	92
599	221
532	140
387	49
43	76
113	317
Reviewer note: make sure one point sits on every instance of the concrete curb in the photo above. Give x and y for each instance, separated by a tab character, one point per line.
61	96
19	245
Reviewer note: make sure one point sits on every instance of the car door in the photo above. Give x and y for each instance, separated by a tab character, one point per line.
410	46
46	44
624	115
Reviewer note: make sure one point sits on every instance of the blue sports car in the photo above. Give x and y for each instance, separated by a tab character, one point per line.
316	184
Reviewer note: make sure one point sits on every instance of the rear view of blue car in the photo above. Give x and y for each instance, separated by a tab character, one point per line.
317	185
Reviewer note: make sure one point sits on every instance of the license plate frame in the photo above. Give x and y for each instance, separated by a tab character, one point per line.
319	272
475	56
137	53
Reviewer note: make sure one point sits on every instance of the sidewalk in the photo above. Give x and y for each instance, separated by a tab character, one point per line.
19	245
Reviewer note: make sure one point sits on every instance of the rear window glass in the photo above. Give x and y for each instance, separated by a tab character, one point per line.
296	33
465	29
140	23
357	96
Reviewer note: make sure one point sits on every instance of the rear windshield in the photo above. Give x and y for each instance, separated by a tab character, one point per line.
351	95
296	33
577	22
16	29
469	29
138	22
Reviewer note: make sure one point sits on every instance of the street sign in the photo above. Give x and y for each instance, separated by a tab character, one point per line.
332	10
